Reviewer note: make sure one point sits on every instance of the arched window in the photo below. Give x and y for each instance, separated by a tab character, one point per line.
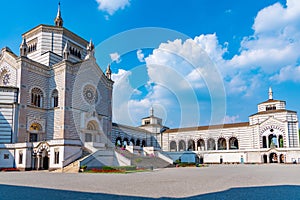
191	145
4	77
34	129
211	145
132	142
54	98
138	142
221	144
37	97
264	141
92	126
181	146
118	141
273	143
173	146
144	143
201	145
280	140
125	142
233	143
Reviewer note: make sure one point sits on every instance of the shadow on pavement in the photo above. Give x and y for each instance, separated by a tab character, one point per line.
290	192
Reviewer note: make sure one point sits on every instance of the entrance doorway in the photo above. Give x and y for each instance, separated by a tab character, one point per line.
44	160
273	158
281	158
265	158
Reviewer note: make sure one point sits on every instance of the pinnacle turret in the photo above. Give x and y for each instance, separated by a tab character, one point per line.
58	19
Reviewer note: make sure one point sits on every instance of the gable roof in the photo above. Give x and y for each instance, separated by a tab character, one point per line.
200	128
272	111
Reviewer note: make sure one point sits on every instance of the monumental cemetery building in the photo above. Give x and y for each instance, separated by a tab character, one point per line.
54	99
56	110
270	136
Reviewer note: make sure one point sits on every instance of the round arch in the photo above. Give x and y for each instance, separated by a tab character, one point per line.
191	145
201	145
173	146
222	144
273	158
138	142
233	143
35	132
181	145
118	141
132	143
270	136
211	145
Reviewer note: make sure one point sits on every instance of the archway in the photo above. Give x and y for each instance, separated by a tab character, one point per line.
45	160
132	143
173	146
118	141
35	132
201	145
125	142
144	143
273	158
138	142
40	157
222	144
273	141
191	145
233	143
211	145
281	158
265	158
280	141
181	146
264	141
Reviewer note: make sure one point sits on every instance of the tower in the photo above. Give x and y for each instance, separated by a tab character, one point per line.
66	52
108	72
90	50
270	94
23	48
58	19
151	111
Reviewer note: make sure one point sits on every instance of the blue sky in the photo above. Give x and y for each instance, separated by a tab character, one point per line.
196	62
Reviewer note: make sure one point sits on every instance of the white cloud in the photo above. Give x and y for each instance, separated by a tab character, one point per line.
140	55
117	77
231	119
287	73
115	57
111	6
276	39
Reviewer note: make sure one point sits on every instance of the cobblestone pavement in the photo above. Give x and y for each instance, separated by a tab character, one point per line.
213	182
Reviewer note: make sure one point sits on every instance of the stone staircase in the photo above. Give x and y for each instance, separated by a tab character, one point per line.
141	161
74	166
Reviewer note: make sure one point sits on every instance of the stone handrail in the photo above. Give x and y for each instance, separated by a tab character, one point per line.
164	157
122	160
72	158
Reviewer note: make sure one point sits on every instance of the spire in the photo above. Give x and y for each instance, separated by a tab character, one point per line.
90	50
270	94
58	20
66	52
23	48
151	111
108	72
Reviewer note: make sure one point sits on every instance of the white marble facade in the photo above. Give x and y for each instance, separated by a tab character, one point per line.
55	99
56	102
271	135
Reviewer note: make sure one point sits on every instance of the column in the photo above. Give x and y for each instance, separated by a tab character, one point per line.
38	162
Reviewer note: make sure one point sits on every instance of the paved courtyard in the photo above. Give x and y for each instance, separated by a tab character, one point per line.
213	182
